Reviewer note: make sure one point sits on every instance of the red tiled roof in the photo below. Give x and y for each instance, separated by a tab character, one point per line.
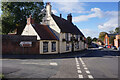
44	32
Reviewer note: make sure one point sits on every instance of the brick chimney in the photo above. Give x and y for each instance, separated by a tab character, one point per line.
30	20
69	17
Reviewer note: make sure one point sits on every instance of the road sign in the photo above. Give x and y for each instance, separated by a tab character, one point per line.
25	44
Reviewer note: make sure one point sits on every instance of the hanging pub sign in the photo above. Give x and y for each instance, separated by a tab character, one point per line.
26	44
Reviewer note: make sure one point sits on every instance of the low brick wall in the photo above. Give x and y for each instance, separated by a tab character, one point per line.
11	45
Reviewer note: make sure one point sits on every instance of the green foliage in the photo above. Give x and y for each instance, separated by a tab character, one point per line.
117	30
94	39
111	39
1	76
89	40
14	14
102	35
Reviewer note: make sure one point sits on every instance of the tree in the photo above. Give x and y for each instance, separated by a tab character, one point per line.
89	40
14	14
111	39
117	30
102	35
94	39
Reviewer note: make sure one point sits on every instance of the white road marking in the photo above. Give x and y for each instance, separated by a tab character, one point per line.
84	65
79	71
28	63
80	76
85	68
78	67
53	64
88	72
90	76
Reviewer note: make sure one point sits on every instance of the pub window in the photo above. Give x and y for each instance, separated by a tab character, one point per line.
53	46
77	45
67	47
66	36
77	37
80	38
45	46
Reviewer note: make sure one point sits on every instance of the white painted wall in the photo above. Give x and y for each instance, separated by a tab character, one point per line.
29	31
54	26
49	47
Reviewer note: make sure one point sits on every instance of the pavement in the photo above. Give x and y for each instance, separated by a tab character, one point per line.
88	64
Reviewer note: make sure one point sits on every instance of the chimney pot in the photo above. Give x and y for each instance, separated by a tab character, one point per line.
60	15
69	17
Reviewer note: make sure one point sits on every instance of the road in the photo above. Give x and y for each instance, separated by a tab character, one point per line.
90	64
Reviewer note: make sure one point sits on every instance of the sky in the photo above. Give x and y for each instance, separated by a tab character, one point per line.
90	17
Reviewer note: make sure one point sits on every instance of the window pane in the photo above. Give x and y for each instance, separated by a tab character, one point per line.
53	46
66	36
67	47
45	46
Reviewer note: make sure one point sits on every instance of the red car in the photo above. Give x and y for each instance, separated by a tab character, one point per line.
109	46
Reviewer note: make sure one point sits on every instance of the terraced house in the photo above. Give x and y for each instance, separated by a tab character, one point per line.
56	34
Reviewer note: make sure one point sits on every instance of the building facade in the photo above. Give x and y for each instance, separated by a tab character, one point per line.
117	41
56	34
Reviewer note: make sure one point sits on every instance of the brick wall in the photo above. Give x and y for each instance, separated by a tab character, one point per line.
11	45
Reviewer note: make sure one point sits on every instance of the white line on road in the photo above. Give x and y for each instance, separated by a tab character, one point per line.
80	76
90	76
84	65
28	63
79	71
88	72
78	67
53	64
86	69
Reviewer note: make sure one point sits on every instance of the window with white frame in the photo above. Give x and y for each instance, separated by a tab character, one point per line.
77	45
81	38
45	46
53	46
66	36
76	37
67	46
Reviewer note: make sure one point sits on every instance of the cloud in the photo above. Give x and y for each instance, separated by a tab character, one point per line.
110	16
111	23
54	11
95	12
90	32
69	7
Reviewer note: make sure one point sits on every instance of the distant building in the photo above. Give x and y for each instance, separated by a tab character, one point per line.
107	40
117	41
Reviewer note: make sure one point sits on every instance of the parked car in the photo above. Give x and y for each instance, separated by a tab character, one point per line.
109	46
106	46
113	47
100	47
119	48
